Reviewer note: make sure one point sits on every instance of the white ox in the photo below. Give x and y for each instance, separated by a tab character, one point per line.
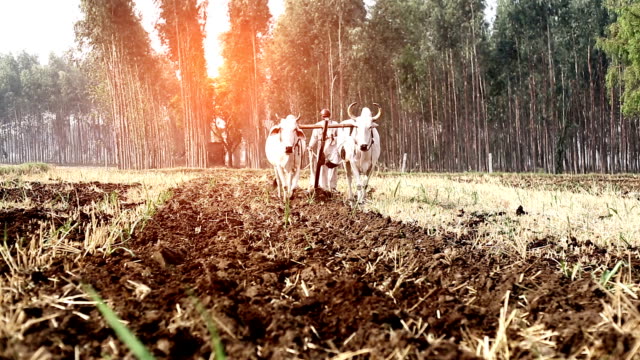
328	173
359	149
284	148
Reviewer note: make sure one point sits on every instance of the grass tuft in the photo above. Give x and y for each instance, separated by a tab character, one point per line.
25	169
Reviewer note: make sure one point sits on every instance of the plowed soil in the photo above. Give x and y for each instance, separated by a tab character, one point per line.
56	203
324	280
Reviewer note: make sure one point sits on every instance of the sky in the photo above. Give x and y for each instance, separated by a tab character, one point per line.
44	26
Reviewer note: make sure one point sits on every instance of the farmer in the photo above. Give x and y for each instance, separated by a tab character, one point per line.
328	176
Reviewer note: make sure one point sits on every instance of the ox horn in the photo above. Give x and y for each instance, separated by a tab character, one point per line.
349	111
277	116
379	112
298	118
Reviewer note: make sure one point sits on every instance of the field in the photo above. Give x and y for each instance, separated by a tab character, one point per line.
433	266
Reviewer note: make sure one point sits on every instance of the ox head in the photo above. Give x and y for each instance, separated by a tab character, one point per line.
365	123
289	132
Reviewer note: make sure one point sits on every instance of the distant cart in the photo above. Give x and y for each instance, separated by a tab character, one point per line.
215	154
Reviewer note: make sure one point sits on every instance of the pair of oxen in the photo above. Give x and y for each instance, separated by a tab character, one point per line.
356	146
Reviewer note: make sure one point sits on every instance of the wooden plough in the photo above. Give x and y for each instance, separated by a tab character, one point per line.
324	126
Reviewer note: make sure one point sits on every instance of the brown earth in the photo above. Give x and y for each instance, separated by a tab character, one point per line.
333	280
62	204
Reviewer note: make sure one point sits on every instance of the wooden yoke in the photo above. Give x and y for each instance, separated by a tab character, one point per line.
330	126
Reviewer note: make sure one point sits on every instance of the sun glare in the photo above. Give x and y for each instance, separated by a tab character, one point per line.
217	23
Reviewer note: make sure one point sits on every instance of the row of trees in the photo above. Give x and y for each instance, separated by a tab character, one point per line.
240	99
548	90
46	113
531	91
119	103
551	86
125	80
181	28
145	102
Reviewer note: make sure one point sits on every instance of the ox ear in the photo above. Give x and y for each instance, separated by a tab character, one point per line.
300	134
274	130
374	124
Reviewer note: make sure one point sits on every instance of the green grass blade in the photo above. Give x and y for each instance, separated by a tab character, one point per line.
216	344
124	334
395	191
607	275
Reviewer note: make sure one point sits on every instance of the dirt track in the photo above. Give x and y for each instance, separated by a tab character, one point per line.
334	280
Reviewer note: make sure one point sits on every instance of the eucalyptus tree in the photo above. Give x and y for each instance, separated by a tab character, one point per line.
386	55
242	76
621	44
228	126
181	28
547	92
68	99
46	113
121	50
423	59
25	107
9	87
309	53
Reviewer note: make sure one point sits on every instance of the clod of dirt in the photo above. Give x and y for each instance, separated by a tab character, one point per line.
165	256
322	195
520	211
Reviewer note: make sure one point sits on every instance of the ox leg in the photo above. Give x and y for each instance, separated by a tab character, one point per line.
323	178
365	184
312	169
347	170
296	177
281	184
288	183
275	170
358	180
327	178
333	179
